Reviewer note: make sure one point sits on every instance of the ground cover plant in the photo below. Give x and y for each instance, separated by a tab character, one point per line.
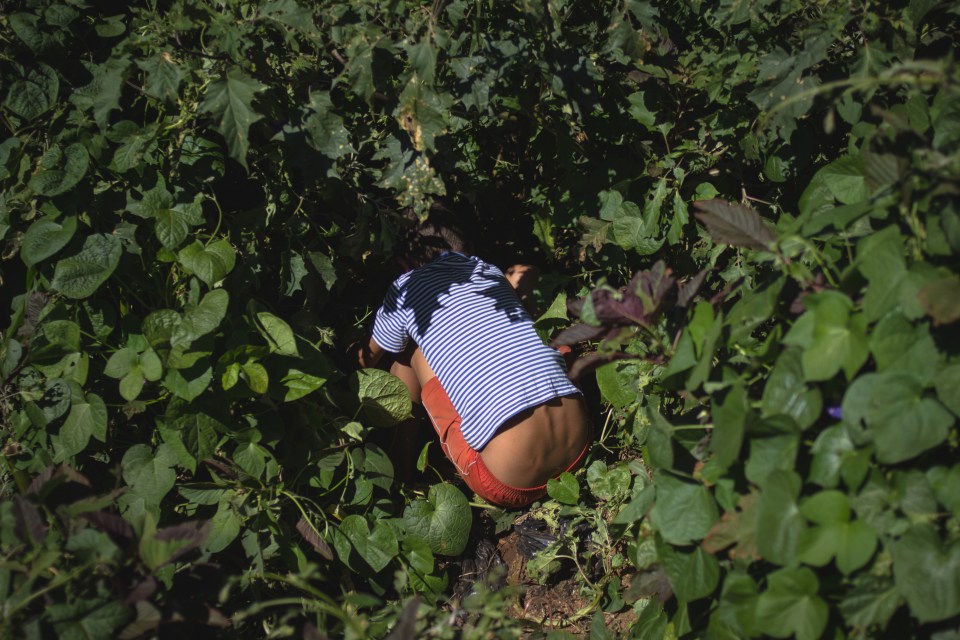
747	216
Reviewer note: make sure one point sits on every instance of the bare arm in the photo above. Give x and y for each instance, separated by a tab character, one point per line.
369	353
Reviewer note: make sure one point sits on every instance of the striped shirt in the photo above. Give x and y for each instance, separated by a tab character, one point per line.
477	338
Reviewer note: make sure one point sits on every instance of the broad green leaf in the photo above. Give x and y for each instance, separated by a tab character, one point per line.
899	346
87	619
902	421
229	100
831	336
630	231
210	263
844	177
871	602
102	95
851	543
618	382
163	76
880	260
927	573
948	387
786	393
729	423
692	574
224	527
158	326
278	334
684	512
791	607
252	458
384	399
606	483
45	237
190	382
443	519
256	376
66	171
299	384
80	275
200	320
172	220
33	95
87	417
564	489
149	472
779	522
377	547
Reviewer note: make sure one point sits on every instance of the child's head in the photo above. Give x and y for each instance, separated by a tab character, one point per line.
424	241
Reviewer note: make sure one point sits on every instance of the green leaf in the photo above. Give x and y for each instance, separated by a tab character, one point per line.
383	397
729	424
791	606
871	602
229	100
927	573
785	392
899	346
190	382
300	383
377	547
837	340
200	320
443	519
902	421
35	94
880	260
53	181
103	93
210	263
564	489
278	334
87	417
87	619
844	177
693	574
779	522
684	511
163	76
224	528
80	275
172	221
45	237
852	543
948	387
256	376
618	383
149	472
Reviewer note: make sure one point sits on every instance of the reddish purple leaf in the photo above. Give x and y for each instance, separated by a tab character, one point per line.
109	523
578	333
29	525
690	288
310	535
735	224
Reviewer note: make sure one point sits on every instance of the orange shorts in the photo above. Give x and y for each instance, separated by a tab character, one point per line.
469	464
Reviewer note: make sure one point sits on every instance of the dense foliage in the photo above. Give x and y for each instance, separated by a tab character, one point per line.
200	202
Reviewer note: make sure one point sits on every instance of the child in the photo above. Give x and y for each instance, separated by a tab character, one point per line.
499	399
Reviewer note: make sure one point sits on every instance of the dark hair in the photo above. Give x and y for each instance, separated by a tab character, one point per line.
423	241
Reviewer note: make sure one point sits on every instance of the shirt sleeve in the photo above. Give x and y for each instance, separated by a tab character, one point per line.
389	325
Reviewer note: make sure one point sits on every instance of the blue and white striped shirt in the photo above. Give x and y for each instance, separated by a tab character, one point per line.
477	338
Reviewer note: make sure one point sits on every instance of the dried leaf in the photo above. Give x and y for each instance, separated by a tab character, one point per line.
738	528
941	300
735	224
